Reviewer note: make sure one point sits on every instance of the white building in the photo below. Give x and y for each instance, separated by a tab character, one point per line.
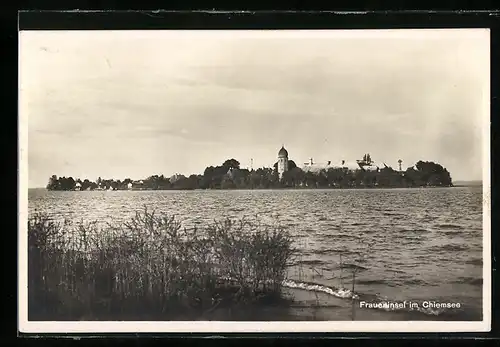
176	177
311	166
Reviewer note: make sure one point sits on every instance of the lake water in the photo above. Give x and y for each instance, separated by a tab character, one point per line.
412	244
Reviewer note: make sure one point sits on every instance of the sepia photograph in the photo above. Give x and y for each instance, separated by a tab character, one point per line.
254	180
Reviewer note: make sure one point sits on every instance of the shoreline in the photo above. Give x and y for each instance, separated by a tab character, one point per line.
250	189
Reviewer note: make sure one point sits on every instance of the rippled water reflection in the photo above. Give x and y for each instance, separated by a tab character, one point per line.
418	243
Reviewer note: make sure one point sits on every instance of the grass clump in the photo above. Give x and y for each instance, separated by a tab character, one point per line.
151	268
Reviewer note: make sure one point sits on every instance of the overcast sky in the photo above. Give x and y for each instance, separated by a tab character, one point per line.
134	104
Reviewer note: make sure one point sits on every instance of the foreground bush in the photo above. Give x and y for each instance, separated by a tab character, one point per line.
151	268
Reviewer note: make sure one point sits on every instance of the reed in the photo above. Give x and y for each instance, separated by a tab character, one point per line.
151	268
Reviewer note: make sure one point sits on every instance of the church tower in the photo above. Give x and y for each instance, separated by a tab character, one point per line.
282	161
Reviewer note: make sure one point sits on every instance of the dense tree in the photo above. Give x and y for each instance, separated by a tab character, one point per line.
432	174
63	183
53	183
231	163
86	184
293	177
291	165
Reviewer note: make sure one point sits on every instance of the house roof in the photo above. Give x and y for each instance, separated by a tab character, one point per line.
316	167
349	165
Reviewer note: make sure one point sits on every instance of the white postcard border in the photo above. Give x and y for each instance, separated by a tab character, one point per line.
26	326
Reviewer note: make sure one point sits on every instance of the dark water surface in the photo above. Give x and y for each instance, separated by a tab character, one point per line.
410	244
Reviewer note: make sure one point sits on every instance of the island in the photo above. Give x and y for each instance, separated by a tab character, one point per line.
284	174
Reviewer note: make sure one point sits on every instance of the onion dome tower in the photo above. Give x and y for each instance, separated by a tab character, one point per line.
282	161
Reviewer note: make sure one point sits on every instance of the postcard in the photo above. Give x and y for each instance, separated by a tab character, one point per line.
254	181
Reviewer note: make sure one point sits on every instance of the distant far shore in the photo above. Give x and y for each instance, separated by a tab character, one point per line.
467	183
460	185
230	176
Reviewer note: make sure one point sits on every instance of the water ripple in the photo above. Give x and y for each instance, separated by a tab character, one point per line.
409	241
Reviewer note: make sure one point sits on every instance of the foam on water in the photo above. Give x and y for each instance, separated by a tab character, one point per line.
338	292
345	293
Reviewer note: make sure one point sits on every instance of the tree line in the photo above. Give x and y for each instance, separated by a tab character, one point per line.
229	175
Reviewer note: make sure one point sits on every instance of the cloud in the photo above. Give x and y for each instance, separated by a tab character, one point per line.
136	103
